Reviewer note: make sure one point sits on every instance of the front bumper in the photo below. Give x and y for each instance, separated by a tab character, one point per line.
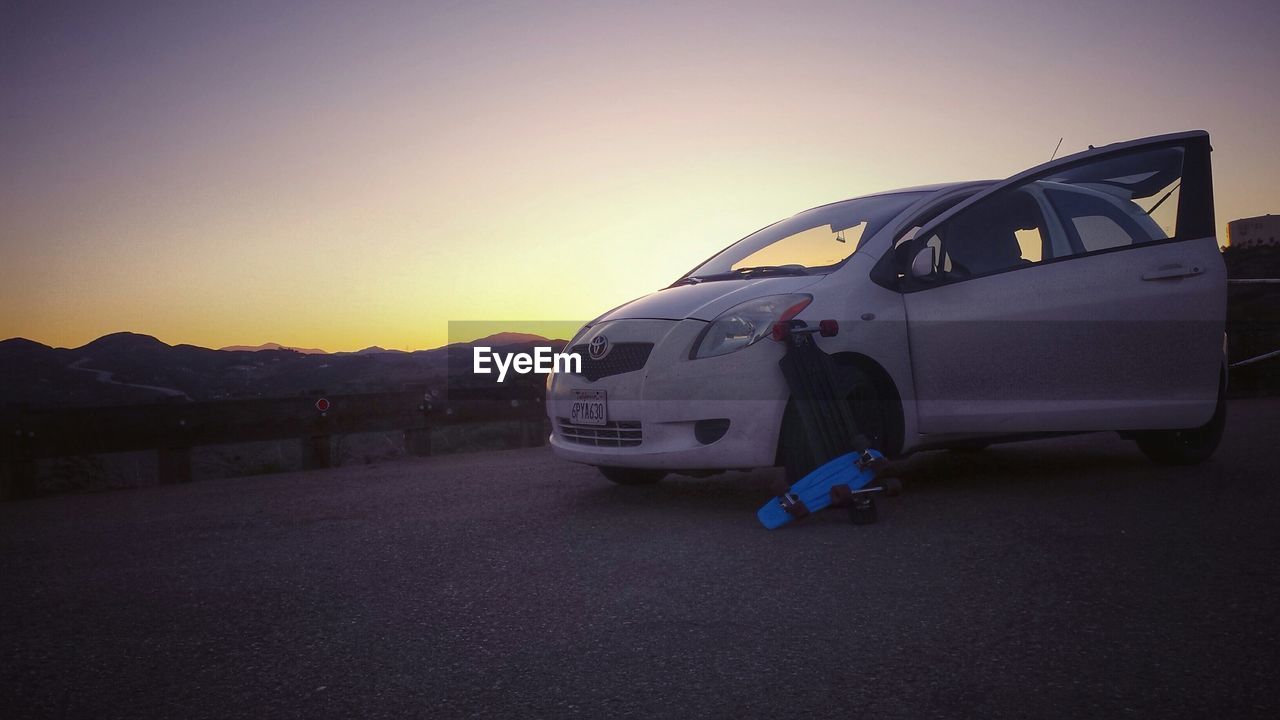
653	412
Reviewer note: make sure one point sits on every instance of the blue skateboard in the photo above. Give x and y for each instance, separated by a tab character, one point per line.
847	481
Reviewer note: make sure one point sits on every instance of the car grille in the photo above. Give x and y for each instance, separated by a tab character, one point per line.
624	357
624	433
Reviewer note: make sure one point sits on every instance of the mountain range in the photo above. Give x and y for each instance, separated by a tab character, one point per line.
271	346
127	368
496	340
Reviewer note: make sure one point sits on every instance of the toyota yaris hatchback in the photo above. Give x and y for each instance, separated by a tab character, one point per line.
1085	294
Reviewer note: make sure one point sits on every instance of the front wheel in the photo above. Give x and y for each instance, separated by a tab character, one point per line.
632	476
871	414
1186	447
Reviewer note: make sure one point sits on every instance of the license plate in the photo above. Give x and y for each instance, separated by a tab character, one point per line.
589	408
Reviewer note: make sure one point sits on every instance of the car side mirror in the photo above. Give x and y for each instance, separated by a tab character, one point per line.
925	264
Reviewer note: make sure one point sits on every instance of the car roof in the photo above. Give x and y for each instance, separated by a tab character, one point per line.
935	187
931	193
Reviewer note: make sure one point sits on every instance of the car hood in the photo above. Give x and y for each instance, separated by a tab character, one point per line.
707	300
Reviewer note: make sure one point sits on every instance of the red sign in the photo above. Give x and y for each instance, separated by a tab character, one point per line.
322	405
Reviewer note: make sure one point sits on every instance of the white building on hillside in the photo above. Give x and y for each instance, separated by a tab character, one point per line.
1254	232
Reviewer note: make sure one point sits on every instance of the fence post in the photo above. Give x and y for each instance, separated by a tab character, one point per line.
17	479
12	477
317	452
17	465
8	463
173	465
537	427
417	442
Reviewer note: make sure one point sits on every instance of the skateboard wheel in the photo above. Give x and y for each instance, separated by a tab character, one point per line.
892	486
828	328
862	511
840	495
781	331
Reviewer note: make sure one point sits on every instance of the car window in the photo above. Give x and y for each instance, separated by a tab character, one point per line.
813	247
1154	191
913	229
1140	192
1095	221
1002	232
1111	202
902	245
1030	244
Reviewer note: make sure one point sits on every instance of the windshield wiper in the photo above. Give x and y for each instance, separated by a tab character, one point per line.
762	270
740	273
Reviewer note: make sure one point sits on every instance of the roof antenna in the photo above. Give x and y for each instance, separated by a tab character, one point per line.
1055	150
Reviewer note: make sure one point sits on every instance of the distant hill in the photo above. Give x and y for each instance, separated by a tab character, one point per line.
122	342
506	338
127	368
42	376
273	346
18	344
495	340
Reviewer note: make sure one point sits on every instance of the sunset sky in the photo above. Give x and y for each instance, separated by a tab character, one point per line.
350	174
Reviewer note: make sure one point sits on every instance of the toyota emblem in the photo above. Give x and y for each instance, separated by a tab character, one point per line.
598	347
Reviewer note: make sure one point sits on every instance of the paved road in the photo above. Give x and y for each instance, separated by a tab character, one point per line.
1064	578
104	376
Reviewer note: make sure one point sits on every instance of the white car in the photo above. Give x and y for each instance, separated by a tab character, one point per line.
1081	295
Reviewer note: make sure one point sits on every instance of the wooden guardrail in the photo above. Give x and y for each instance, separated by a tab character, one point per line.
173	429
1253	334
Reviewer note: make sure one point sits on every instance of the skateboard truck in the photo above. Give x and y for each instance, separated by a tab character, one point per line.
794	506
867	460
784	329
861	504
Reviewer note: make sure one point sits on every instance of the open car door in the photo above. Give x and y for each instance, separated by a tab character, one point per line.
1088	293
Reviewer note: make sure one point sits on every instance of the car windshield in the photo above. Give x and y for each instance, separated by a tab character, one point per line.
813	241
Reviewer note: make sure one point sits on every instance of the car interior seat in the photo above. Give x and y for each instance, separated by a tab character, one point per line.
984	240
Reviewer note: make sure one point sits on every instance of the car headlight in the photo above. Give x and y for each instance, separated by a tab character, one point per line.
744	325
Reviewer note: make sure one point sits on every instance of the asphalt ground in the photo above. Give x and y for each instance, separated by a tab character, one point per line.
1057	578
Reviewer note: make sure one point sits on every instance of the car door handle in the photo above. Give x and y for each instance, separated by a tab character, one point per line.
1173	270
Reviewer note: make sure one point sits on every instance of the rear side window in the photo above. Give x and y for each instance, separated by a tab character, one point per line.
1094	222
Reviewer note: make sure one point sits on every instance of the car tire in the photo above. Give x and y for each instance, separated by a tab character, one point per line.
870	415
870	410
1186	447
632	476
